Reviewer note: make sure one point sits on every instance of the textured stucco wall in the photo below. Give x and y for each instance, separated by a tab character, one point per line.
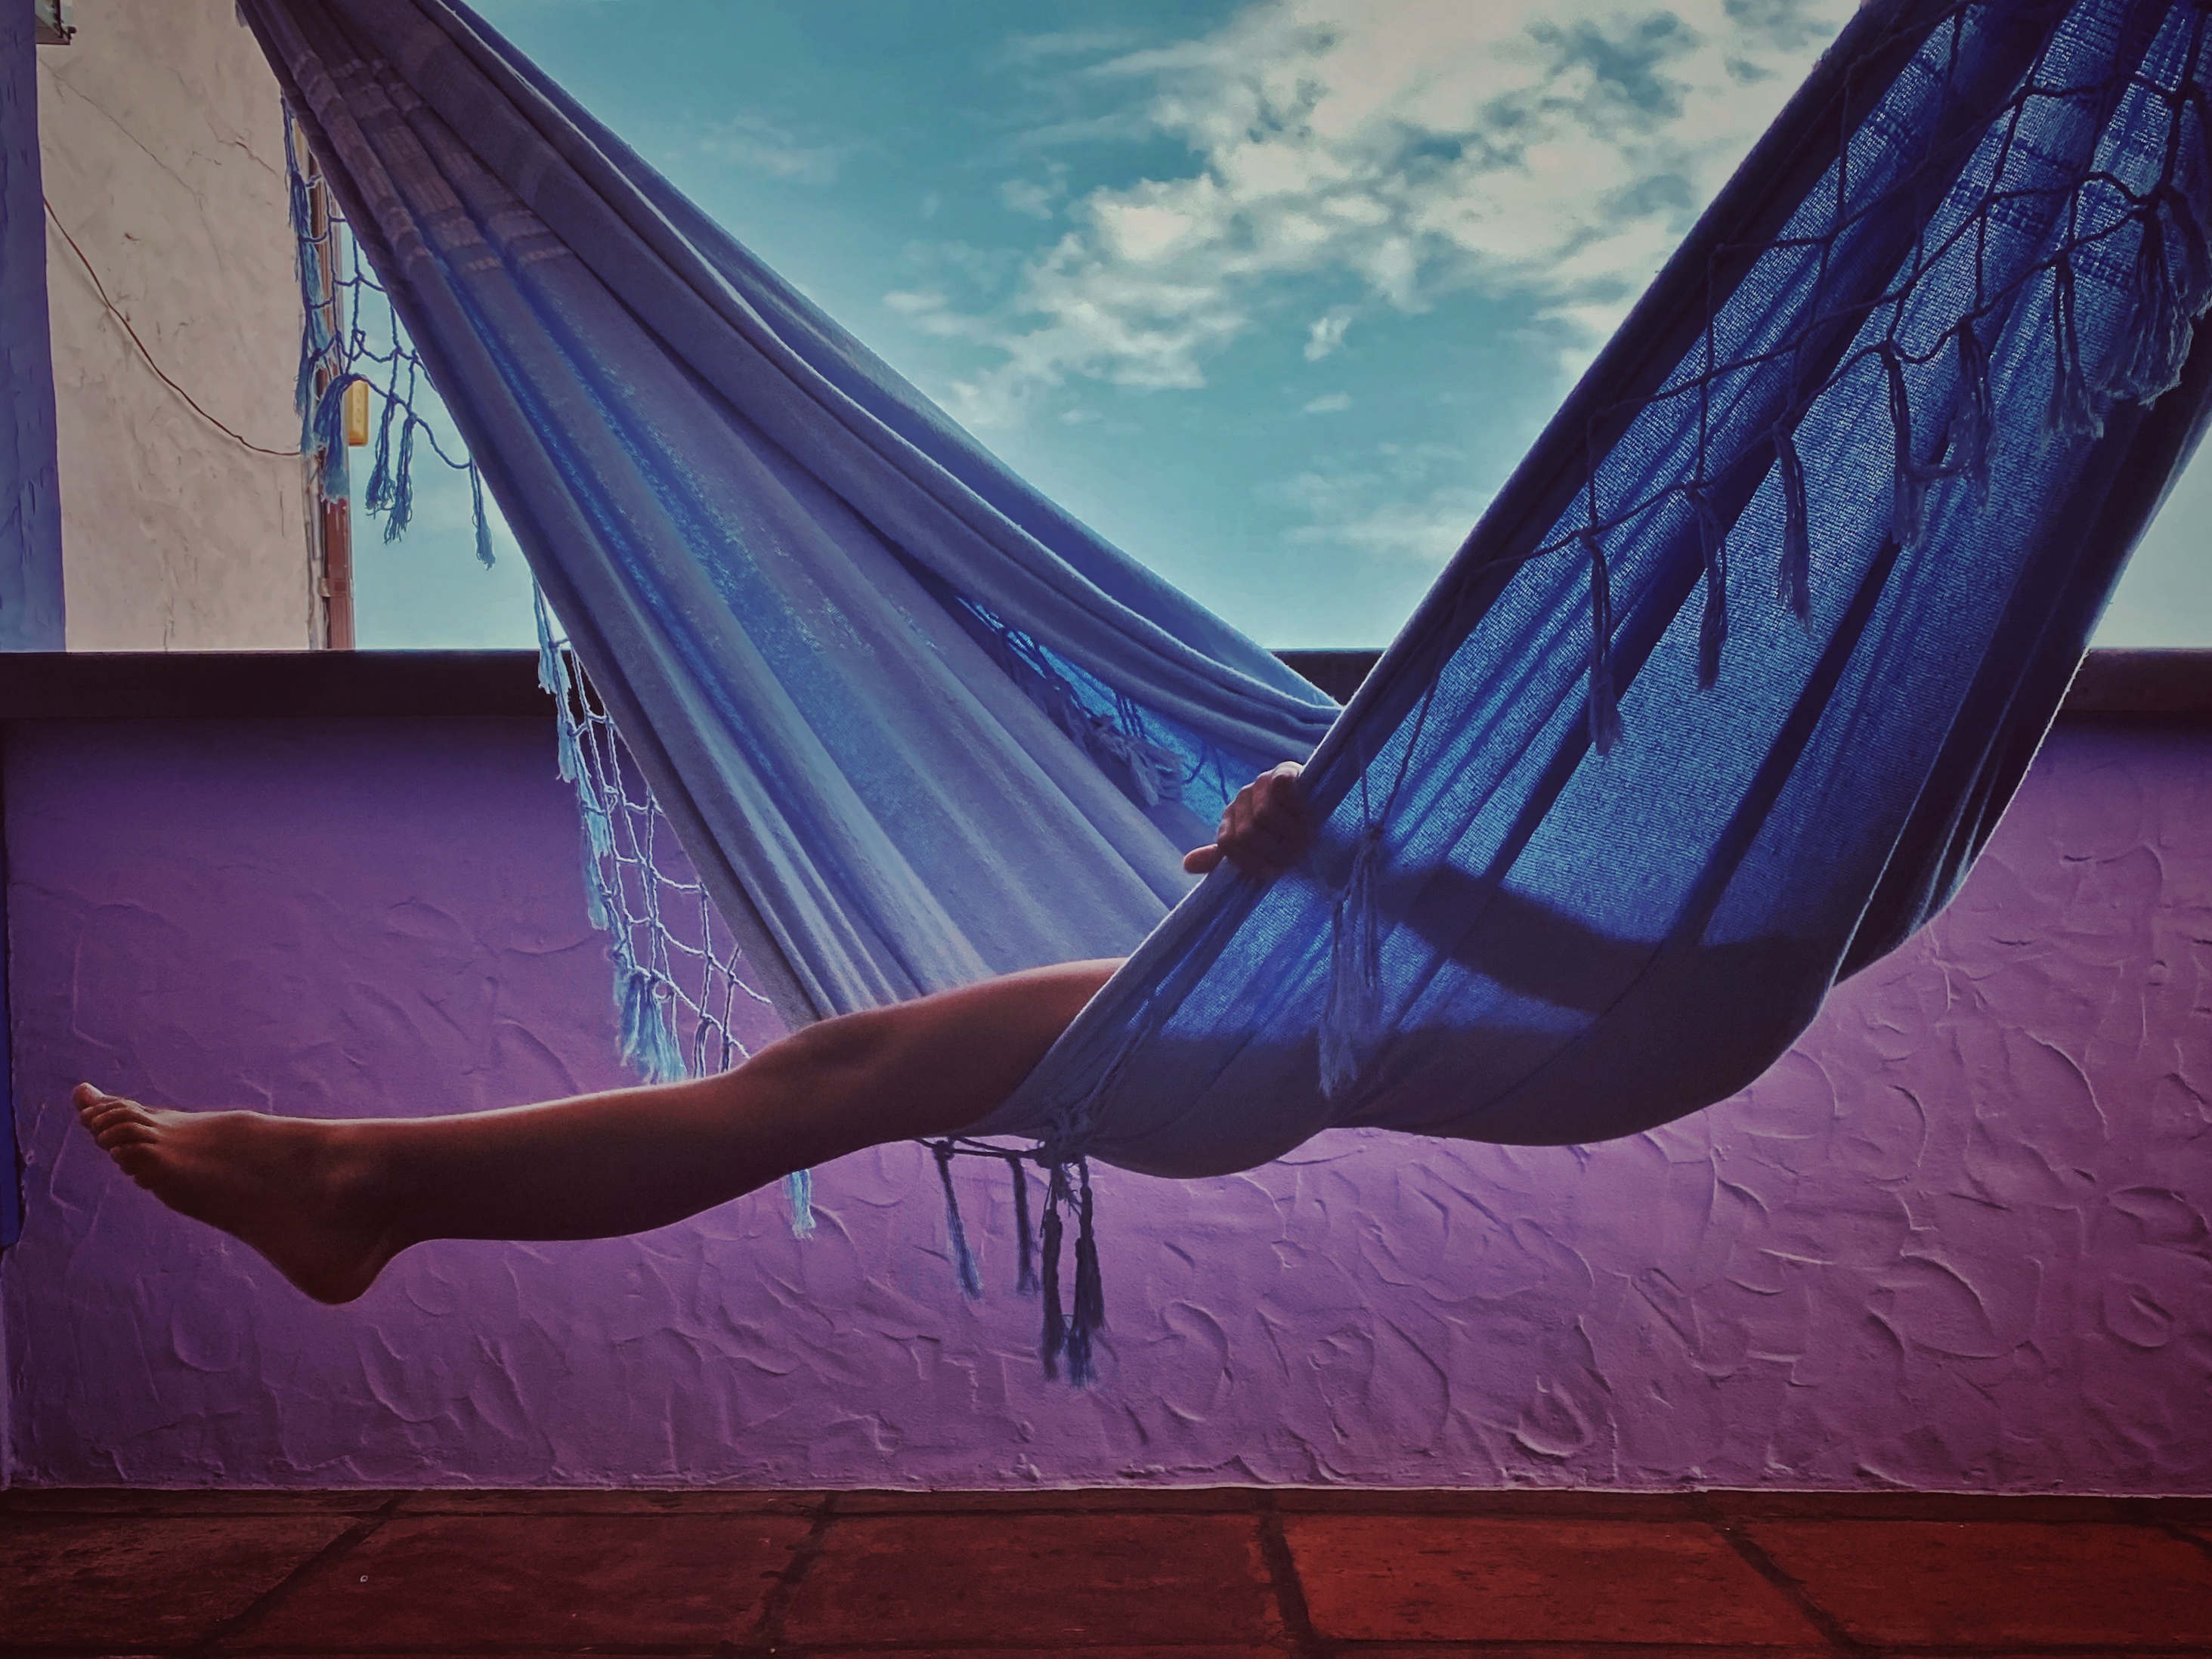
1957	1239
162	140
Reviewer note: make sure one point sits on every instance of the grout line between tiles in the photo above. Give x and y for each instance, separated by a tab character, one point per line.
239	1623
1283	1569
767	1624
1831	1629
2173	1529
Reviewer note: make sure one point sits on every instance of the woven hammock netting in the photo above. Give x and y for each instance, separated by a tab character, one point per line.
1715	705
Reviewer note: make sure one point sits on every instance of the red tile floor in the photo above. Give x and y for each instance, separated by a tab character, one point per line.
1223	1573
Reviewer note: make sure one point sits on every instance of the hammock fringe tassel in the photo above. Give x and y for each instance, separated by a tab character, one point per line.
2074	413
648	1040
1071	1323
1025	1280
1712	622
1973	423
2173	282
1793	582
798	1193
1067	1338
1908	514
956	1232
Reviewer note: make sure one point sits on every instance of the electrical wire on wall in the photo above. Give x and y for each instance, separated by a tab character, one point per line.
152	362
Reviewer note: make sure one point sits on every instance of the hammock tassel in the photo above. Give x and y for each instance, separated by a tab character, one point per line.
1604	708
329	425
2074	414
377	498
646	1042
598	828
1908	512
402	511
595	886
1712	624
303	380
1089	1290
1026	1281
1072	1338
1973	423
1147	772
798	1193
570	760
1793	581
2162	316
550	680
315	341
484	556
1351	1012
956	1232
1053	1341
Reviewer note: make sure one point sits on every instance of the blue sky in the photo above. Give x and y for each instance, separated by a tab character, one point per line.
1274	293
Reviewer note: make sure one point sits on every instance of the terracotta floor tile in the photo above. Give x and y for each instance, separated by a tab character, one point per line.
132	1583
1393	1578
143	1501
555	1501
1593	1650
1176	1652
1561	1504
1051	1581
1900	1582
463	1581
1173	1651
1205	1500
1915	1506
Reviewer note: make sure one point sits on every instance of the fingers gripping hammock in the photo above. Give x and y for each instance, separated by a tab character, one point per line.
1715	705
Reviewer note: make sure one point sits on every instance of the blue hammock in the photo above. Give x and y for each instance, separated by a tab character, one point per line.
1715	705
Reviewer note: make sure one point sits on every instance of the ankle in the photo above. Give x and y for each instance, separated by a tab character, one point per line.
359	1169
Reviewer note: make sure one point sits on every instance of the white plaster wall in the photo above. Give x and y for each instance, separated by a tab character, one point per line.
161	139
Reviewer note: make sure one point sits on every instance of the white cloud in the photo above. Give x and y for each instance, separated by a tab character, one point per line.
1029	196
1553	152
756	145
1394	503
1325	333
1023	50
1329	403
1427	531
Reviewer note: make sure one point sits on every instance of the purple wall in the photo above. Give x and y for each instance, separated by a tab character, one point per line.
1957	1239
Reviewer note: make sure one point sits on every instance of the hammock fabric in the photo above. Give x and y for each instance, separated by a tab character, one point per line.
759	540
1716	705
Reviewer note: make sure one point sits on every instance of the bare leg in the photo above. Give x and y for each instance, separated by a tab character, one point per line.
331	1201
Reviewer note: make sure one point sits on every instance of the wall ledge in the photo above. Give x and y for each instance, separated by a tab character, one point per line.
40	685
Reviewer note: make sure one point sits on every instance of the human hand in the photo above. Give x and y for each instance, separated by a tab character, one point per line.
1264	831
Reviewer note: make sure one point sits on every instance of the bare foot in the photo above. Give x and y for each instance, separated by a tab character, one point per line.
289	1187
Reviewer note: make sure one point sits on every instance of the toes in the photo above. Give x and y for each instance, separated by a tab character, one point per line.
91	1103
113	1115
129	1132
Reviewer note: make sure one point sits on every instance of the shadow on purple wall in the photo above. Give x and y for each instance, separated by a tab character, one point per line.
1955	1240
